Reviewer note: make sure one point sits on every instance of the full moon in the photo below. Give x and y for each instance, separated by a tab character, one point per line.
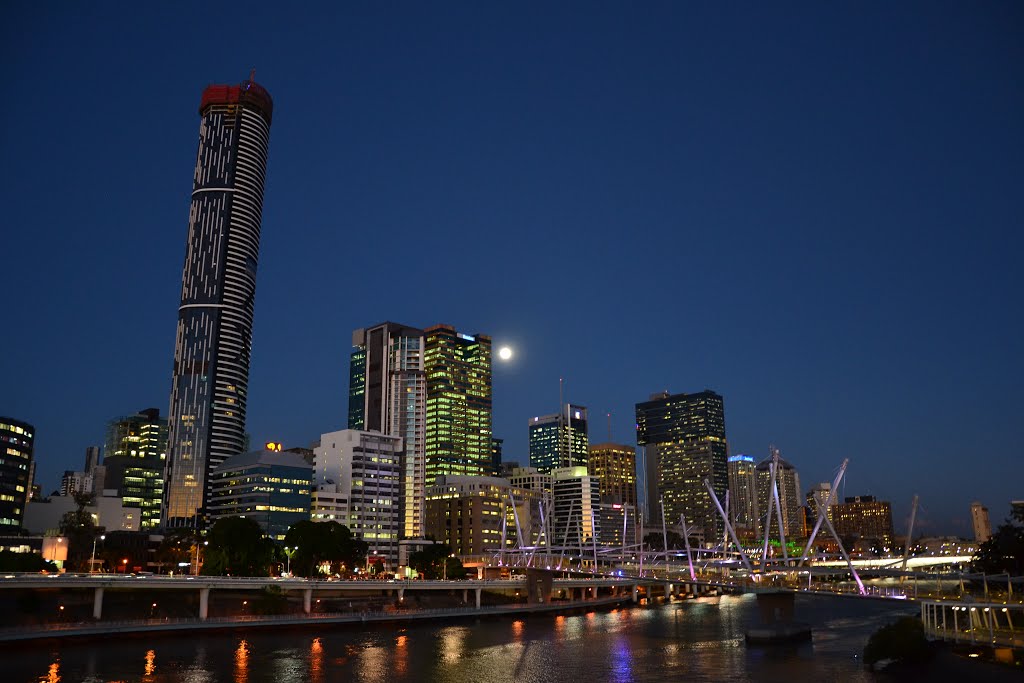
505	353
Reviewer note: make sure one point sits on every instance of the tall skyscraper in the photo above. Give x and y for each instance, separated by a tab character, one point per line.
791	501
614	465
458	430
743	508
214	336
388	394
559	439
980	522
683	437
16	439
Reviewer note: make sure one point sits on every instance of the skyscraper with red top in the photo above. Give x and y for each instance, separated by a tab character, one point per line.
214	337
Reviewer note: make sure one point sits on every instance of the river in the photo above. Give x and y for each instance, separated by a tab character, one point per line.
680	641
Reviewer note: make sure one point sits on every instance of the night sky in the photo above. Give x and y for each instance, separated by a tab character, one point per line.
815	211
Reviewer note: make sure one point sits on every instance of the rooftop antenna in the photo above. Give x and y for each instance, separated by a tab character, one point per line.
252	74
609	427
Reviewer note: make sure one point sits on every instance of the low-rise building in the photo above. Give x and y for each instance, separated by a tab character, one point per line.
269	486
864	518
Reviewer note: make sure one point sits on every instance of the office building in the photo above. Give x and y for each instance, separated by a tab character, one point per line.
358	483
143	435
472	515
529	478
72	483
388	394
560	439
614	465
576	522
683	441
16	441
790	501
743	509
862	518
496	446
92	458
135	457
980	522
209	390
269	486
458	430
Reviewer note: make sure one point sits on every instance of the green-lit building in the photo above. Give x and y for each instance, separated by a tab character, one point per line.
560	439
683	438
135	454
458	415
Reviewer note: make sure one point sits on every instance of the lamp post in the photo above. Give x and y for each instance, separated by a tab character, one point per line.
92	562
196	572
288	552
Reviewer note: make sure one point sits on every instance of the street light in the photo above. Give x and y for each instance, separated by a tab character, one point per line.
92	562
288	553
196	572
124	567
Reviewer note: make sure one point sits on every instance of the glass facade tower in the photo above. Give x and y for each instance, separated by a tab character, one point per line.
559	440
458	428
388	394
683	437
214	335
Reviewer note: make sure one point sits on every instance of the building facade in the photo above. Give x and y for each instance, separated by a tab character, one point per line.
16	443
209	390
473	515
560	439
862	518
270	487
683	441
576	522
743	509
980	522
458	418
388	394
791	501
358	483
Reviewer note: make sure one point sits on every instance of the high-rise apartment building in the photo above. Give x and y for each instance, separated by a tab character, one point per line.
209	390
743	510
458	417
791	502
560	439
357	482
388	394
16	442
135	457
683	439
92	456
980	522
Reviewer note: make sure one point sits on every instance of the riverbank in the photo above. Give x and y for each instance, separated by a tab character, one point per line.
150	626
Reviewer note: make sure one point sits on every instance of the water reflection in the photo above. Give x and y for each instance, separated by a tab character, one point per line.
316	661
373	664
150	662
242	662
401	655
453	641
517	630
53	674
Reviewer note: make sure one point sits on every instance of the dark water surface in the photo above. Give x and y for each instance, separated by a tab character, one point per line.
681	641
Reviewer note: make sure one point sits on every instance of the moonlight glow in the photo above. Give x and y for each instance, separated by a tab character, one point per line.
505	353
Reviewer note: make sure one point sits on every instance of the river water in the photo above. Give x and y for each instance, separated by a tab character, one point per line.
680	641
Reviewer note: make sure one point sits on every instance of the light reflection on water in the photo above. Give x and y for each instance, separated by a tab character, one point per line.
695	642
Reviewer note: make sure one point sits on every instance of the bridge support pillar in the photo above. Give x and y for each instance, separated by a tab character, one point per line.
204	602
307	600
465	596
636	593
97	604
478	592
668	591
401	594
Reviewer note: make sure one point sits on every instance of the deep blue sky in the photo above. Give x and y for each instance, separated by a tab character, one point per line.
814	210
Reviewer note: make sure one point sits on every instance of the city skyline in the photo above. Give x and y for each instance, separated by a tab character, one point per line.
848	291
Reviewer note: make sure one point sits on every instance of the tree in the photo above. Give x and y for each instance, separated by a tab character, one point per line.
435	561
1004	551
24	562
902	640
237	547
316	543
178	547
80	530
